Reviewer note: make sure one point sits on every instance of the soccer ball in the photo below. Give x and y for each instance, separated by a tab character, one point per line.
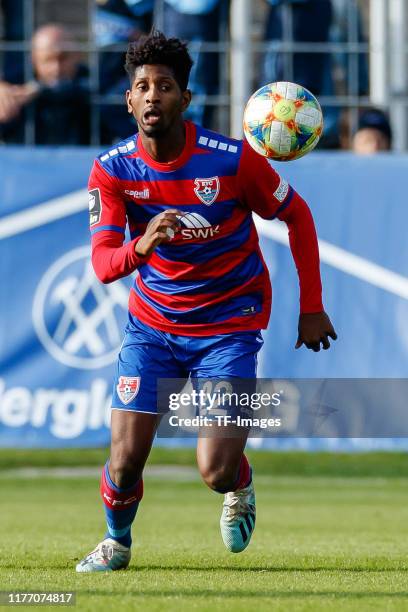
283	121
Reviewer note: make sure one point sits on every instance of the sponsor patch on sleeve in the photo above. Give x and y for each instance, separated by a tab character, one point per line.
282	190
95	206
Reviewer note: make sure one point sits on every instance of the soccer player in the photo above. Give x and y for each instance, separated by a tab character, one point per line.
202	293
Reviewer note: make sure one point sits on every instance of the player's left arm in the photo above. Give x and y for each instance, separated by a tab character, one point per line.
270	196
315	327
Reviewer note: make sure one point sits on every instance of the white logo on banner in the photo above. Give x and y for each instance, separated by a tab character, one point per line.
75	316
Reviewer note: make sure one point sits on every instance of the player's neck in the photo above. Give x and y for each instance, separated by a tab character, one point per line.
168	147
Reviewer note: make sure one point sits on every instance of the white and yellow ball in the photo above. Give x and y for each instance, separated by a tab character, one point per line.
283	121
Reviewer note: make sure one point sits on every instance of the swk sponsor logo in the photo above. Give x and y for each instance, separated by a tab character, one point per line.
205	232
197	227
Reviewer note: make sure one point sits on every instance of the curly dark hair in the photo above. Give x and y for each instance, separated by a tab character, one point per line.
157	49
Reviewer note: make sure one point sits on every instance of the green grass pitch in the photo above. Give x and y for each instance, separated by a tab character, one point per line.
321	543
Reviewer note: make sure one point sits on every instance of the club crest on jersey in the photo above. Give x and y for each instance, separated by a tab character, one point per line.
128	388
207	189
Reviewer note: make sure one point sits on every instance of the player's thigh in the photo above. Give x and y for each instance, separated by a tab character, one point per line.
224	374
132	435
230	357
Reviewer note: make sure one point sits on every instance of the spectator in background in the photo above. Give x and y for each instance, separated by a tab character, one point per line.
56	100
374	133
12	69
347	26
301	21
115	23
199	22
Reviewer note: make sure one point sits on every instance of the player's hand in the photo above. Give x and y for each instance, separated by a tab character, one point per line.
160	229
315	329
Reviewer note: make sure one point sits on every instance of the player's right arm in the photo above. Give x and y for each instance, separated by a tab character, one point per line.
111	258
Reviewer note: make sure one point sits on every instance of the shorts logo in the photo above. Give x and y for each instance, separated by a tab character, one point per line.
95	206
128	388
207	189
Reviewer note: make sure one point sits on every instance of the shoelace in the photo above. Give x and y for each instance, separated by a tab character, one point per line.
235	504
104	552
107	551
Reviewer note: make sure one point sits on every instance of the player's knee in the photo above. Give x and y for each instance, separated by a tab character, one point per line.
125	470
220	479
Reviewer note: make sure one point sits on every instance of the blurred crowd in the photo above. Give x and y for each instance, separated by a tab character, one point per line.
52	93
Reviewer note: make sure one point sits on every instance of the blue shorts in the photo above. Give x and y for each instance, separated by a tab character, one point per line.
148	354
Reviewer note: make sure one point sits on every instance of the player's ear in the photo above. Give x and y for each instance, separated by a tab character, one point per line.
128	101
186	100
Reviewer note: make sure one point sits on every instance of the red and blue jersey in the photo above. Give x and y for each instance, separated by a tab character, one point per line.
211	277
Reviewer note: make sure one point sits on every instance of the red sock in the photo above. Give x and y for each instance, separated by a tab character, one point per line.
120	507
119	499
244	474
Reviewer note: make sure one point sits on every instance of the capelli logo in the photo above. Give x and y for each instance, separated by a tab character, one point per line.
138	195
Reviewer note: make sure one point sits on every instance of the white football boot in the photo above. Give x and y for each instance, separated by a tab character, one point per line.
238	518
108	556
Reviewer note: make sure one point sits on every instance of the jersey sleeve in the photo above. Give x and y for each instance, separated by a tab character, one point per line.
305	251
270	196
111	258
260	187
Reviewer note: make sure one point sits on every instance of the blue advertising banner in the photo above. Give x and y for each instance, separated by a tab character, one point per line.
60	329
357	203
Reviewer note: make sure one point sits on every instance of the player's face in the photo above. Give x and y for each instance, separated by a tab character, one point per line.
156	100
